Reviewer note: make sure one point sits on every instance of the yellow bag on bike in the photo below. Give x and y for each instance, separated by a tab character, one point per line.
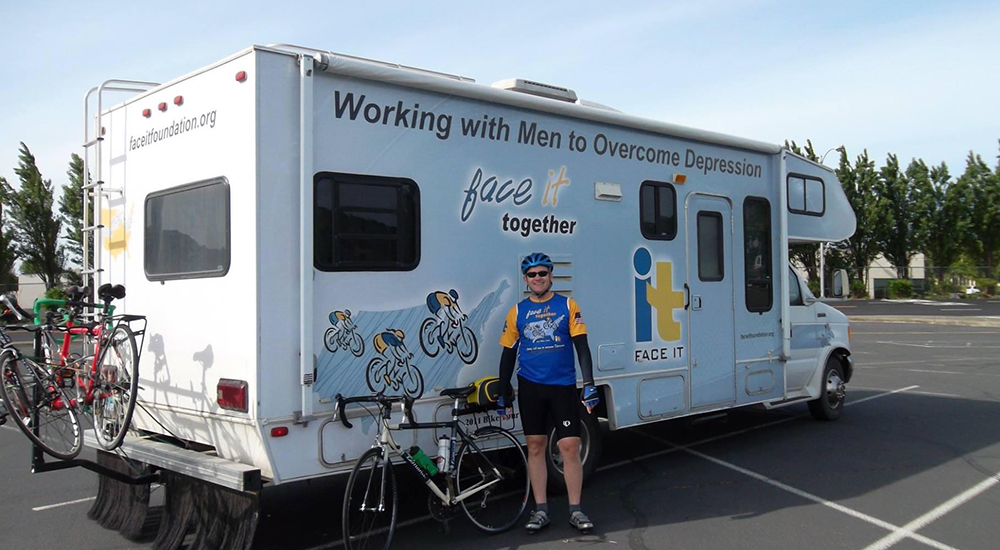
487	391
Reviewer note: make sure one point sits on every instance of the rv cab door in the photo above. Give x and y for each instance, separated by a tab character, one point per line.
806	344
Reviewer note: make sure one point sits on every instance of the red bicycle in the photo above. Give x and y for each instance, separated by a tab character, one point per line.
103	380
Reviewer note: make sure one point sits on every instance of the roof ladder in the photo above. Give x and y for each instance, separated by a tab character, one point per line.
95	190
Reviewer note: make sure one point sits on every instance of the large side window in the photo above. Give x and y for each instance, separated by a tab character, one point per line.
757	254
187	232
366	223
711	264
658	210
806	195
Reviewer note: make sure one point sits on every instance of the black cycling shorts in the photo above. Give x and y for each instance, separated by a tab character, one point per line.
542	405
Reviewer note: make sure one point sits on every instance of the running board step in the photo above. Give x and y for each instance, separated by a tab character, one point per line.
212	469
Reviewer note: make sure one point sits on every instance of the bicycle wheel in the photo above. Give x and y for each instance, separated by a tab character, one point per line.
115	388
37	405
369	515
429	337
497	459
468	347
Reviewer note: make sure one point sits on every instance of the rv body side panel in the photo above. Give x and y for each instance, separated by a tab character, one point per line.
495	183
200	327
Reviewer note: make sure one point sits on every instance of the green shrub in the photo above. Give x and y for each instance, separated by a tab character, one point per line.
900	288
987	286
858	289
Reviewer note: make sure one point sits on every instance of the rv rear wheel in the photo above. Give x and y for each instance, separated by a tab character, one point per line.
832	393
590	450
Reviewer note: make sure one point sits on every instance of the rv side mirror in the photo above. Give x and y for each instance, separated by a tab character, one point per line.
840	283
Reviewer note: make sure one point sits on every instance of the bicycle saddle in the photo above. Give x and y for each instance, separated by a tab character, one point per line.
107	292
458	393
11	301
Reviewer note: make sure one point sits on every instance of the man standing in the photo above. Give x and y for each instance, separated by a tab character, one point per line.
537	333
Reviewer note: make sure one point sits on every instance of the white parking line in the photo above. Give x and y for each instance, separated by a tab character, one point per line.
51	506
869	398
901	532
674	448
934	346
934	514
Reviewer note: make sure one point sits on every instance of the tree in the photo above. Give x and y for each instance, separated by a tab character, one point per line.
942	214
71	208
8	252
901	241
984	228
33	223
860	184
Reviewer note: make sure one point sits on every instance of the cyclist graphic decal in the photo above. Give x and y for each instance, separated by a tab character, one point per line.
391	372
446	329
343	334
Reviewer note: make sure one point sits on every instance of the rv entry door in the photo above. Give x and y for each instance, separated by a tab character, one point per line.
709	224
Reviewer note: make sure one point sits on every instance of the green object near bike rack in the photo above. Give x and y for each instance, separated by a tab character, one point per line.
50	302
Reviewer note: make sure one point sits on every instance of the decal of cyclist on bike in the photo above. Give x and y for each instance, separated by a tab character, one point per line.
343	334
447	329
537	334
392	368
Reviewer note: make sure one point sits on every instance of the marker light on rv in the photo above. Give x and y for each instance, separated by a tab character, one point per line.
680	178
179	100
241	76
162	106
146	113
232	394
279	431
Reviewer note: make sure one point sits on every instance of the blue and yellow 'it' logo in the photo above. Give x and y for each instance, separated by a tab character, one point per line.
663	297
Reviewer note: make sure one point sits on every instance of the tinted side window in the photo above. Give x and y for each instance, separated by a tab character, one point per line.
658	210
366	223
806	195
757	254
187	233
711	265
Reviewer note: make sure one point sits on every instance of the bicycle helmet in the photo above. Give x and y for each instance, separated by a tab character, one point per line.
535	259
453	293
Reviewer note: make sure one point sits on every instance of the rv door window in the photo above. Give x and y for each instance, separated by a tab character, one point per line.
757	254
711	266
658	210
794	290
366	223
187	231
806	195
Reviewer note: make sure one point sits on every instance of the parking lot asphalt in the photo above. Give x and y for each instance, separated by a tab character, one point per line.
912	463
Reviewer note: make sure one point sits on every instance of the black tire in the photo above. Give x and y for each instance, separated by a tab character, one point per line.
28	390
357	345
833	392
500	506
428	337
413	382
369	513
590	450
375	374
470	351
330	340
116	388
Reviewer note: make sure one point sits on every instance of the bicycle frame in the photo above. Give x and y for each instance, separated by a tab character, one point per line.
385	441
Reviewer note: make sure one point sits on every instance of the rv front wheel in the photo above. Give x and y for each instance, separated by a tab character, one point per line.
832	394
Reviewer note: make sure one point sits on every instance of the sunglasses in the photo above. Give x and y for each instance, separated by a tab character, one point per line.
533	274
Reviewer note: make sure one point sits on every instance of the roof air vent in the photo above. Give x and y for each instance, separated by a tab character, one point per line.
531	87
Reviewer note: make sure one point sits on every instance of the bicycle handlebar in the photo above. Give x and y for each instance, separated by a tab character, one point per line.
384	401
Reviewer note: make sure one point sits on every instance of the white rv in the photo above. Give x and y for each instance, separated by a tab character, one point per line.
286	218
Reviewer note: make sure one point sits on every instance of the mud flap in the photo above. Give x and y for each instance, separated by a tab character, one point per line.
217	517
122	506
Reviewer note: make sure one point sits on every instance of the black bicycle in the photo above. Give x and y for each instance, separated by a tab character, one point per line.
487	478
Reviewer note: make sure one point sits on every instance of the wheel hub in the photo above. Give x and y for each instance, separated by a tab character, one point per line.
836	389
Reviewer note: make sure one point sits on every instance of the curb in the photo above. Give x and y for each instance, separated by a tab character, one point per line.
993	322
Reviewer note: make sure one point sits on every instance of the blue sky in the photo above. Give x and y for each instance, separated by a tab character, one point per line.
915	78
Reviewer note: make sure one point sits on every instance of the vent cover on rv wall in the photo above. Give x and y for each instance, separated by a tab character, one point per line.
537	88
